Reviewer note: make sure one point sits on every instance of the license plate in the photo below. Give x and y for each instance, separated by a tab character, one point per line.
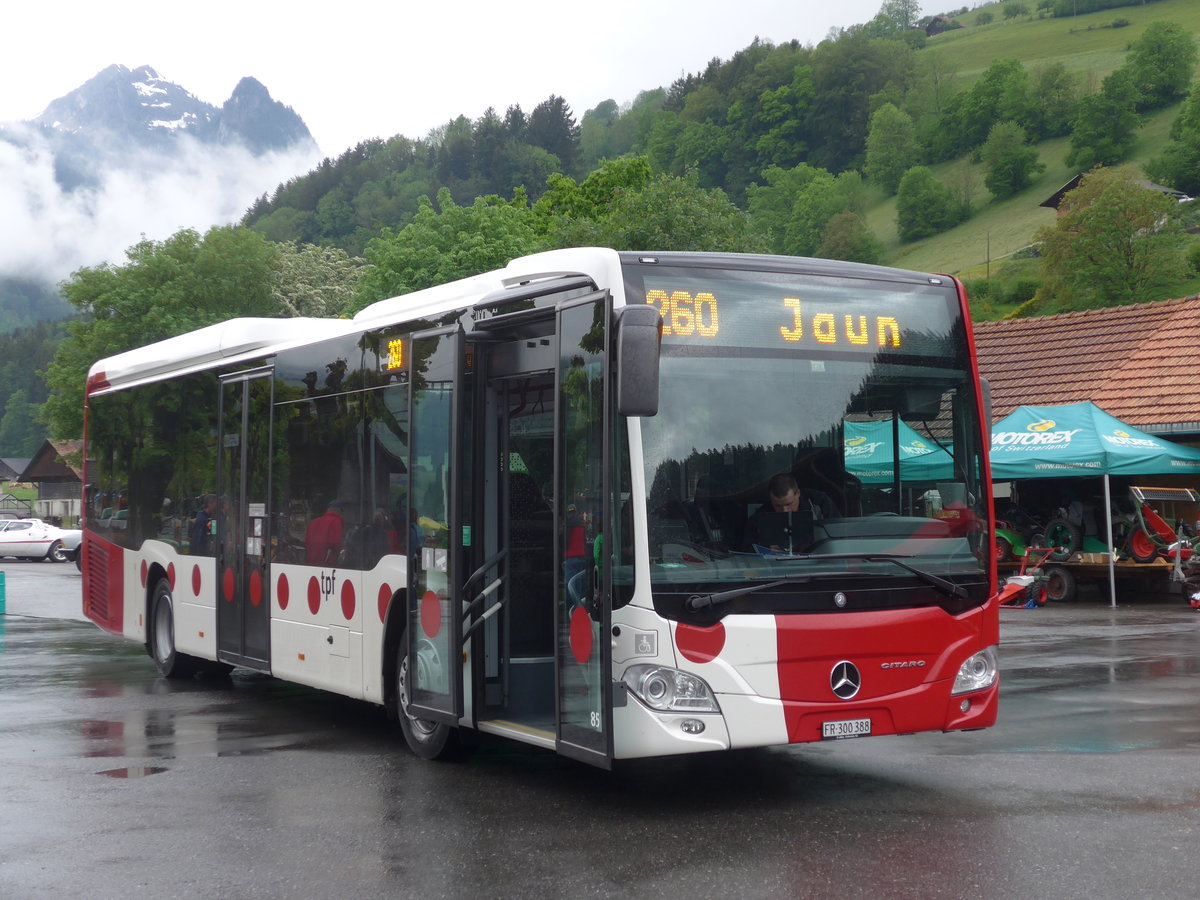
845	729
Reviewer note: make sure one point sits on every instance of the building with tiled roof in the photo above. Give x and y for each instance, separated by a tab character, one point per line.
57	470
1140	363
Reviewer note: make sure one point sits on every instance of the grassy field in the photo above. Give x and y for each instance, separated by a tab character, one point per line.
979	247
1082	43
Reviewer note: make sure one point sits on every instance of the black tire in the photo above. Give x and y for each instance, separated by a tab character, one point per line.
57	552
1064	536
428	740
1060	584
161	642
1004	550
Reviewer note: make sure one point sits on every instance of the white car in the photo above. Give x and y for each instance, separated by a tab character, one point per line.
35	539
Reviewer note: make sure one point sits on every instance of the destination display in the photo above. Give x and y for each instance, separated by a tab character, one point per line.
393	358
802	312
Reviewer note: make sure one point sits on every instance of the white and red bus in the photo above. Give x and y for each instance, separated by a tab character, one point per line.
540	503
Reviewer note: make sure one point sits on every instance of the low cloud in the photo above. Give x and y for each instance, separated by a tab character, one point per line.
47	232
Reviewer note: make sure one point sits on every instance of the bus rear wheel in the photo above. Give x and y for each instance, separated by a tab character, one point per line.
169	663
427	739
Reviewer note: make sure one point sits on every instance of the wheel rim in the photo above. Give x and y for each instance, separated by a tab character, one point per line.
164	630
1140	544
1058	537
421	728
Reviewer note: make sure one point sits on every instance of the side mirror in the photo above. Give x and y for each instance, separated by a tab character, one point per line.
639	335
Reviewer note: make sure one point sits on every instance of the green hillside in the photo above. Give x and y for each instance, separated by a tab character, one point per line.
1085	43
998	228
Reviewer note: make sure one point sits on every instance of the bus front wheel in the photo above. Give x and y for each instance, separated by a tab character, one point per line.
169	663
427	739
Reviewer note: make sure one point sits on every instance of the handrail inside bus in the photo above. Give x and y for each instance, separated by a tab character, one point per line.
487	564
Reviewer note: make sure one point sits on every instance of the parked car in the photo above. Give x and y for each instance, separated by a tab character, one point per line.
35	539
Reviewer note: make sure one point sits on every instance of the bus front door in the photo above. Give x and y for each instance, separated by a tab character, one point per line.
543	662
243	469
438	436
585	506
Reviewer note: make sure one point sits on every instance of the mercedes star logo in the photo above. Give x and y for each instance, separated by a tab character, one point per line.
845	680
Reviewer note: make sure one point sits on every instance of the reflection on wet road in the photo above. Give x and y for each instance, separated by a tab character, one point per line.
112	779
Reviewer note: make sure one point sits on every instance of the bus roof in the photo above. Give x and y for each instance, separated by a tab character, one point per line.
243	339
248	338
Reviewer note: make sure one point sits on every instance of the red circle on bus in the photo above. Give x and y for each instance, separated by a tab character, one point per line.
255	588
385	598
581	635
144	572
196	581
700	644
281	591
348	600
171	575
431	614
314	596
227	585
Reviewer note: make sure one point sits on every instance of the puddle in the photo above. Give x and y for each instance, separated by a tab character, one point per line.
133	771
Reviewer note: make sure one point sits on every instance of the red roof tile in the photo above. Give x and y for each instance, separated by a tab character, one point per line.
1141	363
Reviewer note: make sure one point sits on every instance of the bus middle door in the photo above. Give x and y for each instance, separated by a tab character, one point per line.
243	474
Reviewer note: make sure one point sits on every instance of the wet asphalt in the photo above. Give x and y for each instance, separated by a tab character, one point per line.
116	783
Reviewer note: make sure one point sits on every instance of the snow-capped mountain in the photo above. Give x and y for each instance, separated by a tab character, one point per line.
125	156
139	107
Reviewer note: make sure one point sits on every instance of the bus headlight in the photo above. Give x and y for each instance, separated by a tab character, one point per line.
977	673
670	690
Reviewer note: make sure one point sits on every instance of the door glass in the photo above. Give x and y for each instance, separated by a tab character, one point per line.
582	587
433	639
243	612
229	512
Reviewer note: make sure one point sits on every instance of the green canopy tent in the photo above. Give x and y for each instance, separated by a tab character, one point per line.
1082	439
870	452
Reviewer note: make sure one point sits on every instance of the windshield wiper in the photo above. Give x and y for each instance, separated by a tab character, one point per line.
949	588
698	602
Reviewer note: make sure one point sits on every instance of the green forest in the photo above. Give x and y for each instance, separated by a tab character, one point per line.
925	141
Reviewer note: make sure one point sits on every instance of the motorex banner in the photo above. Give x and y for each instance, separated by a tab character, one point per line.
1080	439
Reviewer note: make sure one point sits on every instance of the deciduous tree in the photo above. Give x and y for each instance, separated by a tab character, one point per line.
1116	243
1011	163
924	205
847	237
1161	63
446	243
1179	164
1106	124
891	147
164	289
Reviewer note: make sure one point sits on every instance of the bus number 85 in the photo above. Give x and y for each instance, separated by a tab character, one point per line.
684	315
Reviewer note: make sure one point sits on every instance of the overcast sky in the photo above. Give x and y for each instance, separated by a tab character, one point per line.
357	69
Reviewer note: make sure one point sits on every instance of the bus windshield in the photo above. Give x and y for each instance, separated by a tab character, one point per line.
813	432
